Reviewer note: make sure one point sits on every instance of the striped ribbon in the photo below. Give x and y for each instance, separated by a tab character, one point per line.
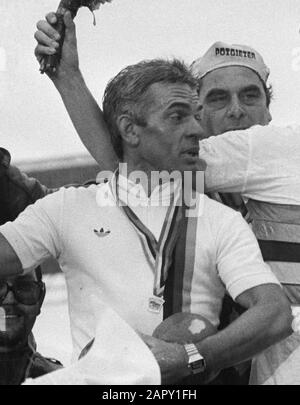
178	287
172	257
159	253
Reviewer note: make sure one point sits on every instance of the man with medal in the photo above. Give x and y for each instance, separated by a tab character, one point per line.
144	244
235	95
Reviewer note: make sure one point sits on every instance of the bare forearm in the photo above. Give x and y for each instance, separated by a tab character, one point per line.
250	334
87	119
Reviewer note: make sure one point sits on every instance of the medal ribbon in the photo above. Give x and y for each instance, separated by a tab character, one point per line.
159	253
178	287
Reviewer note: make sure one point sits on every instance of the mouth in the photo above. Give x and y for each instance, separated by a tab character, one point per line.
9	313
236	129
9	316
192	152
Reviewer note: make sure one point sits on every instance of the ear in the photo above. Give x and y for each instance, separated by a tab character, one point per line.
128	130
269	116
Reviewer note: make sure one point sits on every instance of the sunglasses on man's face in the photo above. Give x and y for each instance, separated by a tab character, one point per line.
25	292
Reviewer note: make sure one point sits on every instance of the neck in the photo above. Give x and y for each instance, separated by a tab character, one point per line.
14	349
146	175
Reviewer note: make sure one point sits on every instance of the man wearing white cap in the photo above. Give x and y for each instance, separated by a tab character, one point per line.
235	96
233	88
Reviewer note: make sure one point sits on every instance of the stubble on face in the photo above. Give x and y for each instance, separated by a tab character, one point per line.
233	98
13	331
172	127
17	319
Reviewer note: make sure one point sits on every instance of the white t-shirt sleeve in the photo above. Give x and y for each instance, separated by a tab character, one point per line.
239	261
36	234
274	167
228	158
261	162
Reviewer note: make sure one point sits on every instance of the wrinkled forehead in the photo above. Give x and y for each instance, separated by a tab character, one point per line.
230	78
163	95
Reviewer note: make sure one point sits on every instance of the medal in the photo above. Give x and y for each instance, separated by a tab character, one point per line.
155	304
158	253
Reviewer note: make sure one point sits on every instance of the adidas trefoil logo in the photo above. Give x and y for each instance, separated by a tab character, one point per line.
101	232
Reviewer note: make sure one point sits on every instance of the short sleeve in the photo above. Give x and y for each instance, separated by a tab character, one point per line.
36	234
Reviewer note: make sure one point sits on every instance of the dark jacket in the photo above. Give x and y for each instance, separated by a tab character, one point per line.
17	190
16	367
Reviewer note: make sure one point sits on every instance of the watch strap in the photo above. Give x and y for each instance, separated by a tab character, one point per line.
196	362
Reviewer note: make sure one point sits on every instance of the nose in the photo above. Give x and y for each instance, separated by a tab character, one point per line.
195	129
235	109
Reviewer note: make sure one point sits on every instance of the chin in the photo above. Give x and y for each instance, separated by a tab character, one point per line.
198	166
236	128
12	339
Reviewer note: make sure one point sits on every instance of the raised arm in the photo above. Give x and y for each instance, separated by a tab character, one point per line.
81	106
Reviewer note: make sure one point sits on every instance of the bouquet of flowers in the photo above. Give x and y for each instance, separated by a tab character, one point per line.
49	63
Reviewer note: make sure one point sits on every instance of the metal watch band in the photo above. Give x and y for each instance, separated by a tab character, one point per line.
196	361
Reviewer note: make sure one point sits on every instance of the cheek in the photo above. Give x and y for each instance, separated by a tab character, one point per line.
266	116
258	115
30	318
212	122
30	311
164	142
14	324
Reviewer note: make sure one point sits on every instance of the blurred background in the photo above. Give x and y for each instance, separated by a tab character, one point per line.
36	129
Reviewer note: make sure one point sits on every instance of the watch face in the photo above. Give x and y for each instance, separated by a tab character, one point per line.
197	366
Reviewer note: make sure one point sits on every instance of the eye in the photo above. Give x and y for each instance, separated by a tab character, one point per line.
177	117
217	100
250	97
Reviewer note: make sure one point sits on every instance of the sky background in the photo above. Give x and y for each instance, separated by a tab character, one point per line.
33	122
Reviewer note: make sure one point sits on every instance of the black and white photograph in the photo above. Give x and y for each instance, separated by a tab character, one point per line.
149	195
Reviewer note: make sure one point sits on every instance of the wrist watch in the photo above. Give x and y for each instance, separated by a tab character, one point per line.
196	362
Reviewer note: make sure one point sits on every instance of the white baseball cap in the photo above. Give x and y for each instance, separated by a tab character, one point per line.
221	55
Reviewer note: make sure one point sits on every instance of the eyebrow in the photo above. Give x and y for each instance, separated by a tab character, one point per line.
187	106
252	87
178	104
248	88
216	90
